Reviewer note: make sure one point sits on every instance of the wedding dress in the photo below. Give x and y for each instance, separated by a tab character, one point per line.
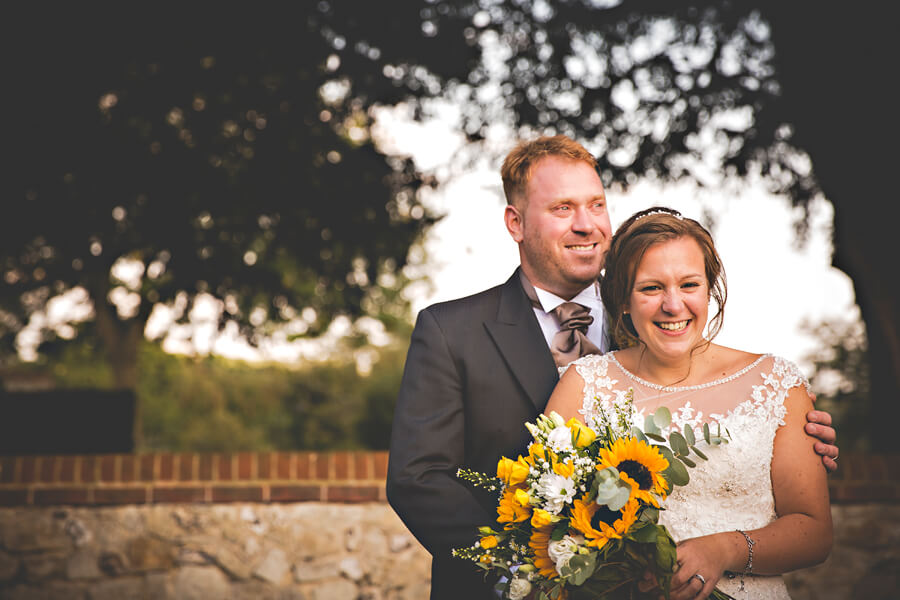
733	489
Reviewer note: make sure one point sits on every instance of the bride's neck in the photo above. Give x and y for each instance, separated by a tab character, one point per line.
682	370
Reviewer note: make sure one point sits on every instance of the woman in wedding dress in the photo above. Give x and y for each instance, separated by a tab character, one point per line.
758	507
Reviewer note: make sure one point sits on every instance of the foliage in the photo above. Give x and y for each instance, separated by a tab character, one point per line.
214	404
840	380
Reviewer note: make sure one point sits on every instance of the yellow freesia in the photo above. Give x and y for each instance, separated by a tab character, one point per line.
564	469
511	511
488	541
581	433
512	472
522	497
542	518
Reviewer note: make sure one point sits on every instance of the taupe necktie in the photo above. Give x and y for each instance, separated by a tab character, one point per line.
571	341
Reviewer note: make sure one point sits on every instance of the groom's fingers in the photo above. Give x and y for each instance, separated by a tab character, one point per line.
819	416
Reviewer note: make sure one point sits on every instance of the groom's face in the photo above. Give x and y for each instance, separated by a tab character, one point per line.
561	225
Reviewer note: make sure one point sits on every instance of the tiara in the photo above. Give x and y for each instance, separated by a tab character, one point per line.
677	215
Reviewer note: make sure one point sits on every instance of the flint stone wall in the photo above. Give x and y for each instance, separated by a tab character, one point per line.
315	551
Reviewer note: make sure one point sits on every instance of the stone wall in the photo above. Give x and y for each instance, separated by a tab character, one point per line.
87	537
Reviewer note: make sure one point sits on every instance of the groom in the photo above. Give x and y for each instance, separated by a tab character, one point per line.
479	367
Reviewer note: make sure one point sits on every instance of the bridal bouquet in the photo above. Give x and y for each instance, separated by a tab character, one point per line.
580	512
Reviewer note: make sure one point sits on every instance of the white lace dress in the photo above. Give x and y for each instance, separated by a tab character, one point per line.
733	489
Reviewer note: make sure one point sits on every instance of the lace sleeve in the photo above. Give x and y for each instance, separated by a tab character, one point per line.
771	395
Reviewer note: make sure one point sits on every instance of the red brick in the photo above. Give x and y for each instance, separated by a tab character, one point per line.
7	469
341	461
264	465
166	467
13	497
295	493
245	465
226	468
27	468
251	493
88	469
178	494
321	465
186	467
108	468
127	468
67	469
205	467
304	465
281	465
362	463
53	496
45	470
351	493
381	464
120	496
146	467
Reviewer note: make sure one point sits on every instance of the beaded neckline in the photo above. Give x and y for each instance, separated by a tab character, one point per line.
686	388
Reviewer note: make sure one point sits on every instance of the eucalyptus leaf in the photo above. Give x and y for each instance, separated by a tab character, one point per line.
706	433
650	425
689	435
656	437
646	534
679	444
677	473
687	461
698	453
662	418
579	568
637	433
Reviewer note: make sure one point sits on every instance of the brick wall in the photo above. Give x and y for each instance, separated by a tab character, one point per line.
343	477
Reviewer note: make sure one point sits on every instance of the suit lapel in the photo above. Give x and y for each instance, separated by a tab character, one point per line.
521	343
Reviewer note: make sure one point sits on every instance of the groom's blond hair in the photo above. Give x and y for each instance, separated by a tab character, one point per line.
519	163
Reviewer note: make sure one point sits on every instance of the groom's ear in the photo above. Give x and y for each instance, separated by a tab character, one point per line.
514	224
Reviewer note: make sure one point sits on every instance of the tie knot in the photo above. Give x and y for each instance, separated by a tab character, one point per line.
572	315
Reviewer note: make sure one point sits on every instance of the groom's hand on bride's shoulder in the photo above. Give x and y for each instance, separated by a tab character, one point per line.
819	426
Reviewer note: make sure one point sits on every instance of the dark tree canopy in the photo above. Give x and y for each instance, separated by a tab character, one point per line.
234	150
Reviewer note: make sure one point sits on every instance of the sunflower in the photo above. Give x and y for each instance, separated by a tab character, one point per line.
599	524
540	539
640	465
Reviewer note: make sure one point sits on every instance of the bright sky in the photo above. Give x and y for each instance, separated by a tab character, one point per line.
772	286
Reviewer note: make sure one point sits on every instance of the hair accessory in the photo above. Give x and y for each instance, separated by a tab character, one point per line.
671	213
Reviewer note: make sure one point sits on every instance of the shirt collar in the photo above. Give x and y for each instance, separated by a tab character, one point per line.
589	296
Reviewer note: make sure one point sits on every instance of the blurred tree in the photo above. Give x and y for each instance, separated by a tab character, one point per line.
841	381
170	155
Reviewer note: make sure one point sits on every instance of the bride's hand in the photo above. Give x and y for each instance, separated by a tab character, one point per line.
707	556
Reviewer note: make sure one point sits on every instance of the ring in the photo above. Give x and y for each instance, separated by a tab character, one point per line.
701	578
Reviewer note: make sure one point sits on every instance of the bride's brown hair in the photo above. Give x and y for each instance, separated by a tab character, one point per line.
632	239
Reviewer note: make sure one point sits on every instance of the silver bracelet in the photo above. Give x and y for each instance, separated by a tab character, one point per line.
749	566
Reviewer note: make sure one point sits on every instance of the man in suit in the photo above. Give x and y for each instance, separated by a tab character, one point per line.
479	367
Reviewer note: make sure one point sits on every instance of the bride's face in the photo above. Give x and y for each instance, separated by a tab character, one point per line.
669	302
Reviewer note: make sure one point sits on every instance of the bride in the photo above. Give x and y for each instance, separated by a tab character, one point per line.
759	506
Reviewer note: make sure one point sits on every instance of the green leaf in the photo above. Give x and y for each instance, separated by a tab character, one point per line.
687	461
656	437
662	418
676	474
706	432
698	453
679	444
650	425
646	534
559	531
636	432
689	435
579	568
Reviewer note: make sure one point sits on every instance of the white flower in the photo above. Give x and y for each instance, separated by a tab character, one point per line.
556	490
519	588
560	440
562	550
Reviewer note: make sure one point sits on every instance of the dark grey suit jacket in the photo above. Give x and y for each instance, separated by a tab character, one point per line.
477	369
